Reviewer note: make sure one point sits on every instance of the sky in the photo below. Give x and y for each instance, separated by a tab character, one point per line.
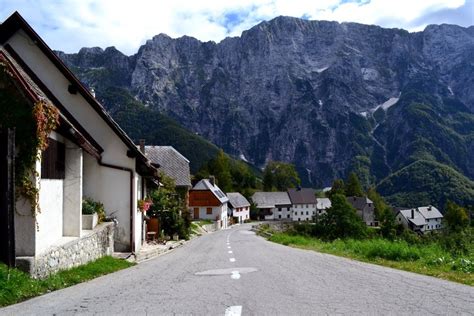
68	25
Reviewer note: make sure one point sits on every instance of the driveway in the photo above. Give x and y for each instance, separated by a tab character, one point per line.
234	271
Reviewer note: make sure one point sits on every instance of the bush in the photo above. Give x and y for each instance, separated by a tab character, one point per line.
89	207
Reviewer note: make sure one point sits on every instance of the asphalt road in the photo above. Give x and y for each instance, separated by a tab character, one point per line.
264	278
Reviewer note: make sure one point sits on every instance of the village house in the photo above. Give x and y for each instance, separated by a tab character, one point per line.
303	202
88	155
174	165
273	205
239	207
365	209
207	201
322	205
421	219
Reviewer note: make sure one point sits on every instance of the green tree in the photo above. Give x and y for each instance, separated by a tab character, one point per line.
353	187
280	176
220	168
337	187
379	203
456	217
340	220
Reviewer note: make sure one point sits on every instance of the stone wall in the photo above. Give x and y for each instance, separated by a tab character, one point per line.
74	253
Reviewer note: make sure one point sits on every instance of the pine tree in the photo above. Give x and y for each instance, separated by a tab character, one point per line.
353	187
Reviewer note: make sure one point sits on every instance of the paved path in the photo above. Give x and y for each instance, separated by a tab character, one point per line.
201	278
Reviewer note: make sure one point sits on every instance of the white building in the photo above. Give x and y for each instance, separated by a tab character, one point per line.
89	155
303	202
207	201
421	219
322	205
239	207
273	205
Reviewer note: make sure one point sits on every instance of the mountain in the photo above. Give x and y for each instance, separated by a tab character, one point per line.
330	97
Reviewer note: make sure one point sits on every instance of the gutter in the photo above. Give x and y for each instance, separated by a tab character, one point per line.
132	222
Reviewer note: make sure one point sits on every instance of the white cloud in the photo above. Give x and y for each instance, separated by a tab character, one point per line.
71	24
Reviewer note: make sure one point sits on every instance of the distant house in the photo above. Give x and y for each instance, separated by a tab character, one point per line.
239	207
173	164
322	205
421	219
88	155
273	205
207	201
364	208
303	201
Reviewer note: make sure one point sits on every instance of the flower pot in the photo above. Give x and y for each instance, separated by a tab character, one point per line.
89	221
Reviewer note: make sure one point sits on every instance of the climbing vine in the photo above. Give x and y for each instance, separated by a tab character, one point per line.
33	123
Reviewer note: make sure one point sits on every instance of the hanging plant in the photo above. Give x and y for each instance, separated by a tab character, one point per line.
32	126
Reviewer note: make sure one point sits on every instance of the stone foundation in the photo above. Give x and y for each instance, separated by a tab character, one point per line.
77	252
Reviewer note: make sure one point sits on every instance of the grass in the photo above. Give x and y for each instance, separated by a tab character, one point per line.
17	286
203	222
428	259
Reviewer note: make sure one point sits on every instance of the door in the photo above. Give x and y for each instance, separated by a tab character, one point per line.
196	212
7	196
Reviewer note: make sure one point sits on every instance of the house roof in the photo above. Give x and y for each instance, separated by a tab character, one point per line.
418	219
302	196
271	199
323	203
16	22
237	200
34	93
359	202
206	185
171	162
429	212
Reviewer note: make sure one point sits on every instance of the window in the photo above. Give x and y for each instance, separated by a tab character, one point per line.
53	160
279	216
299	219
307	213
288	209
301	212
288	216
279	209
209	211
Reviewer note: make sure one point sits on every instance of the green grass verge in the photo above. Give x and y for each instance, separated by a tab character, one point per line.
16	286
428	259
203	222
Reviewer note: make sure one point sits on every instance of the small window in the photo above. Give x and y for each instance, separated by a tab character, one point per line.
53	161
307	213
288	209
279	209
288	216
209	211
279	216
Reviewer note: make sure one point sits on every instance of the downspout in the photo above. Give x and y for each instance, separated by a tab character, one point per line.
132	222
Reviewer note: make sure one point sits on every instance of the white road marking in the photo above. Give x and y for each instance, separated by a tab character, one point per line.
230	251
228	247
233	310
235	275
228	271
232	259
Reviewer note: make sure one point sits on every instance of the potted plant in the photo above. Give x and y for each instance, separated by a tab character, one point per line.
92	213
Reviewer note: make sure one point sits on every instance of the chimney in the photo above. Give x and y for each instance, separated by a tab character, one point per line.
212	179
142	145
429	208
412	213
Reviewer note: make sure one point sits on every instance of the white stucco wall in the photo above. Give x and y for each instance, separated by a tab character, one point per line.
218	213
242	215
303	212
50	219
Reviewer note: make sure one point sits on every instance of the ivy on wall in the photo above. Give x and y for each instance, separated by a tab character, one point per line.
33	123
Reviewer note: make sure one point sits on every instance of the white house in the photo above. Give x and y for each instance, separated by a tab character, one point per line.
207	201
88	154
322	205
239	207
303	202
273	205
421	219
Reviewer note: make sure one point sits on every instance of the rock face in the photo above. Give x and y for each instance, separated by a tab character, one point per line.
326	96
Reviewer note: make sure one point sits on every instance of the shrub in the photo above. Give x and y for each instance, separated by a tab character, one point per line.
89	207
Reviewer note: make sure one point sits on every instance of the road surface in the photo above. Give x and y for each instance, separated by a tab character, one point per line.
234	272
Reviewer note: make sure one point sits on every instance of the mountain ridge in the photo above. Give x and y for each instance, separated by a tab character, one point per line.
326	96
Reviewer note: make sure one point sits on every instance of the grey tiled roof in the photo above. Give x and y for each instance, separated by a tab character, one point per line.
270	199
171	162
205	184
302	196
237	200
359	202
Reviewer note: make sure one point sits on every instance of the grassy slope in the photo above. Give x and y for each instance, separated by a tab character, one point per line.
424	259
16	286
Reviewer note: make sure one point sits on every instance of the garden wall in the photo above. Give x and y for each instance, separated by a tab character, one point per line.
97	244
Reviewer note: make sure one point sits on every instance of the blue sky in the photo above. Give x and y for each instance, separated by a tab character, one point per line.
69	25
